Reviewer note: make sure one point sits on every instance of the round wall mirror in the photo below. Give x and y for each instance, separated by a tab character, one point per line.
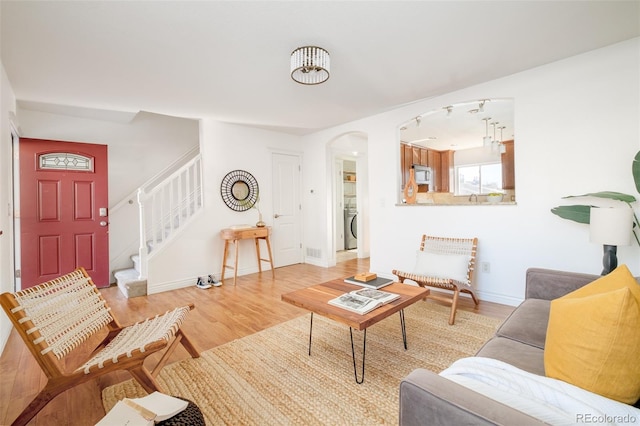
239	190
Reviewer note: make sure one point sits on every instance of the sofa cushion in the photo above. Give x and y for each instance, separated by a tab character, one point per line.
593	340
525	357
528	323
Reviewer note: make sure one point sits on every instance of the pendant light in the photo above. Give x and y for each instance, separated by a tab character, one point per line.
503	148
494	142
486	141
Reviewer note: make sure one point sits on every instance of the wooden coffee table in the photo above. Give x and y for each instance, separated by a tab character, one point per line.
316	298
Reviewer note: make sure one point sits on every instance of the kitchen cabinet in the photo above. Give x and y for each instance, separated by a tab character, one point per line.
410	155
446	169
406	161
424	157
415	157
434	163
508	166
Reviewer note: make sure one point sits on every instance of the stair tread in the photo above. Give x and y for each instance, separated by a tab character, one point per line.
127	275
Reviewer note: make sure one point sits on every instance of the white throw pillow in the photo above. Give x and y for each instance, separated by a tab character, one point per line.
452	266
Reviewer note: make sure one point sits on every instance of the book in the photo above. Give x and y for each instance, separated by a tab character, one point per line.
125	413
144	411
379	282
364	300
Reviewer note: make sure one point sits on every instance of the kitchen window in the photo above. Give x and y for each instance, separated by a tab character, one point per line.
478	179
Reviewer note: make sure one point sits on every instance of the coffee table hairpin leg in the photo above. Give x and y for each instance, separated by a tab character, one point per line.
364	345
353	355
310	329
403	328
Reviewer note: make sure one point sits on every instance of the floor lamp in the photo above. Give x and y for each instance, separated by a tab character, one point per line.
610	227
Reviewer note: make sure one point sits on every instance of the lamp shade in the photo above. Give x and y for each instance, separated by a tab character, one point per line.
310	65
610	226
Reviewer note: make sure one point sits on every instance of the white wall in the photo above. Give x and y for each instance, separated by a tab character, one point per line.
576	124
7	107
198	251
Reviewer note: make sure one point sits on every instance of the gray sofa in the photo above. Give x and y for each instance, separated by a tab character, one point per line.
427	398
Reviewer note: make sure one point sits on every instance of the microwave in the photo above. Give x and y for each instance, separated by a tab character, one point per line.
423	174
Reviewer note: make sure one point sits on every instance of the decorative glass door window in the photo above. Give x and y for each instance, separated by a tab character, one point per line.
65	161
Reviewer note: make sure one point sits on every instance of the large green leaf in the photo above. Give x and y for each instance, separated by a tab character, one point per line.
635	169
607	194
578	213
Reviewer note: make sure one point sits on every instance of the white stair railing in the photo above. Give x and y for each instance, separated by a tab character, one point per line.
167	207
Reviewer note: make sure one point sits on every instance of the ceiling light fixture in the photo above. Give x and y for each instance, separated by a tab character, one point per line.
449	110
310	65
481	105
503	148
486	141
494	142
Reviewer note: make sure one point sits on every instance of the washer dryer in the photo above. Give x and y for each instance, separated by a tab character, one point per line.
350	229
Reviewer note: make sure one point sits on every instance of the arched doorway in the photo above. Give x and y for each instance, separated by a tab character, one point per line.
350	198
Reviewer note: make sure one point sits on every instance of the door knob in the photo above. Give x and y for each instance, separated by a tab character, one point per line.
104	223
276	215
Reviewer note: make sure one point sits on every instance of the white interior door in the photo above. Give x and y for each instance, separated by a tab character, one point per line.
286	236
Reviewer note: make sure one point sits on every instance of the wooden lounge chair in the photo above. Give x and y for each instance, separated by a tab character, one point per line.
57	317
460	279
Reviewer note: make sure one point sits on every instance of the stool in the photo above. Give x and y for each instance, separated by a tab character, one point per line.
190	416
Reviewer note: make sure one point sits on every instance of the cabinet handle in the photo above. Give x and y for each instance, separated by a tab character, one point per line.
276	215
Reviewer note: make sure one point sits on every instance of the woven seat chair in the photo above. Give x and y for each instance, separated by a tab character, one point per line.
57	317
446	246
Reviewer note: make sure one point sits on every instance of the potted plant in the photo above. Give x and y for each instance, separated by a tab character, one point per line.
494	197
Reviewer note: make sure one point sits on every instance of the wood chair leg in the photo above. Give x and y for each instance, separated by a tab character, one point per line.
475	299
165	356
424	299
145	379
188	345
38	403
454	307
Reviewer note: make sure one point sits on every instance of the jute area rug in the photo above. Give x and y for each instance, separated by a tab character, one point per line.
268	378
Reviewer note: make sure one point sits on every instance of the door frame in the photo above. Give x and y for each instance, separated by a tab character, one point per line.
335	153
14	261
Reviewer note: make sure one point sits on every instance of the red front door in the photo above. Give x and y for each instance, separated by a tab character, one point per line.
63	210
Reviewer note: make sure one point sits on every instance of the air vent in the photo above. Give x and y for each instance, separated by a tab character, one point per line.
313	252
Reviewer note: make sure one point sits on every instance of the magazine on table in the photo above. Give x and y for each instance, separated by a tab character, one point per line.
364	300
376	283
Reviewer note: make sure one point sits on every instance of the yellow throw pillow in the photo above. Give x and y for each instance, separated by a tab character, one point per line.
593	337
618	278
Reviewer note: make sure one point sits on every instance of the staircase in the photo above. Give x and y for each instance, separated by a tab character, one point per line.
165	206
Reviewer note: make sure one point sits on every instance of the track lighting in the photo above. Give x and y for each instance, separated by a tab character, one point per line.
449	110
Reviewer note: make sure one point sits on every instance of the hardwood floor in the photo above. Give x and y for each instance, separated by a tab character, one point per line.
221	315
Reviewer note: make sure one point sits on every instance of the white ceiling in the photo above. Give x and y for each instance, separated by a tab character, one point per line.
229	60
